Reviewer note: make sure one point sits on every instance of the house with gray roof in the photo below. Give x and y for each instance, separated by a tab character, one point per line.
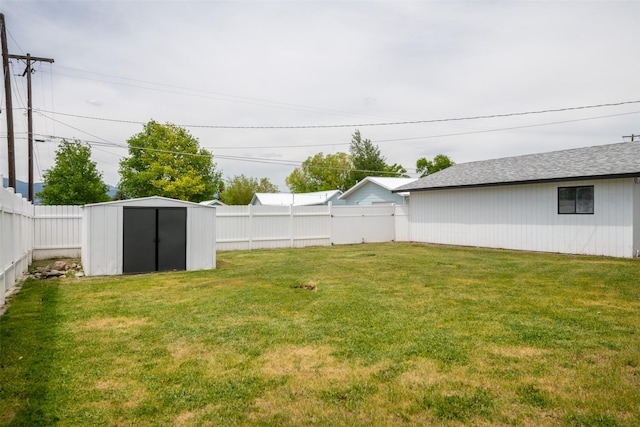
578	201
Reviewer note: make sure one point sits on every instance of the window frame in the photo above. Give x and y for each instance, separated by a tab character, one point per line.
576	199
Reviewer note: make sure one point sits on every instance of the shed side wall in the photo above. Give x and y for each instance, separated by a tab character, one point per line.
103	240
525	217
201	239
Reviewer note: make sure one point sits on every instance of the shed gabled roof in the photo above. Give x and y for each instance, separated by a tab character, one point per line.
295	199
601	161
149	201
385	182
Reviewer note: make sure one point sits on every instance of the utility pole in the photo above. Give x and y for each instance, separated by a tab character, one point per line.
9	106
28	72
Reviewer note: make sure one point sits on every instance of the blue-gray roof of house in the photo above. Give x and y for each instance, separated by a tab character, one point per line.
601	161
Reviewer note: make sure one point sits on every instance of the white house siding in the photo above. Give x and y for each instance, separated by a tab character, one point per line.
525	217
371	193
636	218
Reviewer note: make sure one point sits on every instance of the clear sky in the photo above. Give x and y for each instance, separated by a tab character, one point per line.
220	69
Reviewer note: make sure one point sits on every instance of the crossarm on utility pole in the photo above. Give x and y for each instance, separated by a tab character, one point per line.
27	72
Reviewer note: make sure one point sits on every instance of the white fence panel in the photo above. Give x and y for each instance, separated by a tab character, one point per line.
16	238
268	227
362	224
271	227
57	232
41	232
402	224
233	228
311	226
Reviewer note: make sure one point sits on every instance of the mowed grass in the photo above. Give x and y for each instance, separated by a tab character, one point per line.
388	334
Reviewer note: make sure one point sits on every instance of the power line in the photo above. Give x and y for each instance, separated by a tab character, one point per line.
281	162
331	144
504	129
72	127
202	93
358	125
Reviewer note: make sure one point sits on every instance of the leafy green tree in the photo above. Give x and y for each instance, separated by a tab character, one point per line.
165	160
74	179
240	189
395	170
320	172
366	158
426	167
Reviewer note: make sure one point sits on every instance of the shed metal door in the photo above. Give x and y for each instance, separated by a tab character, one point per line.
172	239
155	239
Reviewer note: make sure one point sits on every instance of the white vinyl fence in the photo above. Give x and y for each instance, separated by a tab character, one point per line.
57	232
30	232
16	231
268	227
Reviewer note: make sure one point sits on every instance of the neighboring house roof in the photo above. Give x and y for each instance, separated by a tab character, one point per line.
602	161
214	202
299	199
384	182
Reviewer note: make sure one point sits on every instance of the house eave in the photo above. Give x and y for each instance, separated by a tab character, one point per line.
524	182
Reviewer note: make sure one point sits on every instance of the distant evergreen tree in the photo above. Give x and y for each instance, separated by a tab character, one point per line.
366	158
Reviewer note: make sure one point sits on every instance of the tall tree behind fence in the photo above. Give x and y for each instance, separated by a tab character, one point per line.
16	238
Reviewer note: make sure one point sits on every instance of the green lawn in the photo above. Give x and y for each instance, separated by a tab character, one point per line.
388	334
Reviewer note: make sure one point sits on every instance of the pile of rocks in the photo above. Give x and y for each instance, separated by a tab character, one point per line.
59	268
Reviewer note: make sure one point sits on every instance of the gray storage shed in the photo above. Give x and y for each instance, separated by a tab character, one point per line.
146	235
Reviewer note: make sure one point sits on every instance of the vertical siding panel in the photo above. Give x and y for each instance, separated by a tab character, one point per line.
635	220
525	217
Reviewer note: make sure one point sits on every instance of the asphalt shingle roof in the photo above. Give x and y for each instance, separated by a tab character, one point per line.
602	161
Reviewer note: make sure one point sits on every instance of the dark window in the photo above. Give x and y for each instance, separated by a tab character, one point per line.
575	200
